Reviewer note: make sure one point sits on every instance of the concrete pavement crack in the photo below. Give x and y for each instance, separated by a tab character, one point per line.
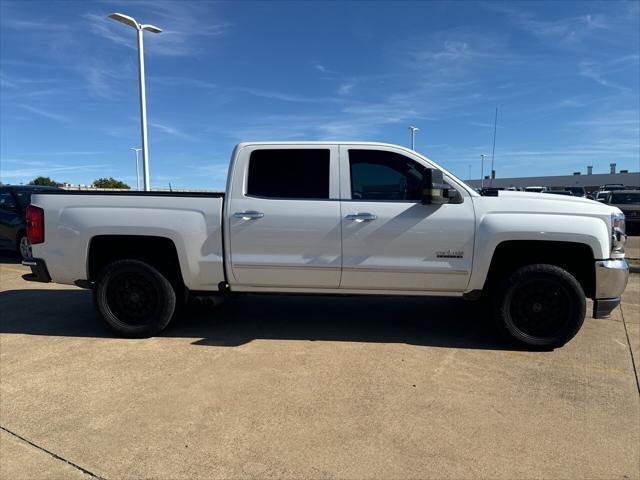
633	361
57	457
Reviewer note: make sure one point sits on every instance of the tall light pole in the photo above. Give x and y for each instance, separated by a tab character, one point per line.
143	99
137	168
413	131
482	155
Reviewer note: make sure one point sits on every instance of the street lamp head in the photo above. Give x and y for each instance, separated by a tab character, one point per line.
414	129
151	28
127	20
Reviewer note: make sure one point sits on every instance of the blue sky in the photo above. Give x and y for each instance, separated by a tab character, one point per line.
564	76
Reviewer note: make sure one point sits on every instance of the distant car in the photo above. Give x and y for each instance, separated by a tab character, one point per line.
609	187
601	196
629	202
536	189
577	191
558	192
13	204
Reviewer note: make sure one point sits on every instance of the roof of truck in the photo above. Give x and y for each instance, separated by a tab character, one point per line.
322	142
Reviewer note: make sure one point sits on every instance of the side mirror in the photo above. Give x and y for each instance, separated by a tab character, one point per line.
434	190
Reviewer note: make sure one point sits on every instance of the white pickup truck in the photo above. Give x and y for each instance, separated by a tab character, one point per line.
335	218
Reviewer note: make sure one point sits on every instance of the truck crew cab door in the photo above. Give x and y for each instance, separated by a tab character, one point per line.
390	240
283	217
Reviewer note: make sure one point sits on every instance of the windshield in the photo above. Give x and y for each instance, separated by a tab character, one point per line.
625	198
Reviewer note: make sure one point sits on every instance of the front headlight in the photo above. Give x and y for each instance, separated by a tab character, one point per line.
618	237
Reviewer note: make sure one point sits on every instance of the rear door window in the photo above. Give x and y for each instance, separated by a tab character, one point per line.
289	174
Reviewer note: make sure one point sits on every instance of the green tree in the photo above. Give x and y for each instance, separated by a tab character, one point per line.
110	183
46	181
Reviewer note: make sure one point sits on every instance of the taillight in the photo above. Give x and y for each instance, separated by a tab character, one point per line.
35	224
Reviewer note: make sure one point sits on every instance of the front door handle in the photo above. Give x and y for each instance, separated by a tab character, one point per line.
361	217
248	215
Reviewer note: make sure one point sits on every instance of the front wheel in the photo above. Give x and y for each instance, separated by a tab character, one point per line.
134	298
540	306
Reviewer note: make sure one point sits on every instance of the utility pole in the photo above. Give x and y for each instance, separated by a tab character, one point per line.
136	150
493	153
413	131
143	98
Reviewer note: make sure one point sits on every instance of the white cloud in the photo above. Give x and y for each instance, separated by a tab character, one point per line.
44	113
346	88
285	97
168	129
188	21
600	72
29	170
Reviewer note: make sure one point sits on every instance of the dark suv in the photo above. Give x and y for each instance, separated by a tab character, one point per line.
629	202
13	205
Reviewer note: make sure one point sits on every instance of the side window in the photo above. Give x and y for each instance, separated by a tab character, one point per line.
289	173
6	200
380	175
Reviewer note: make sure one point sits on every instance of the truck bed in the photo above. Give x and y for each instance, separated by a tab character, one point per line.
191	220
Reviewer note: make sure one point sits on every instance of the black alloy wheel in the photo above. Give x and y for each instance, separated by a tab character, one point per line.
134	298
540	306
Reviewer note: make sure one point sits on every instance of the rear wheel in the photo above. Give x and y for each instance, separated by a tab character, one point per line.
23	246
134	298
541	306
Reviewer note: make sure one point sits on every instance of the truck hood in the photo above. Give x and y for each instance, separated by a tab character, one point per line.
528	202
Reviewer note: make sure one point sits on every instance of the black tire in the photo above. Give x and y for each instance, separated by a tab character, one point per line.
134	298
539	306
23	246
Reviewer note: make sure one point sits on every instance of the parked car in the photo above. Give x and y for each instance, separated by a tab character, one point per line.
629	202
335	218
13	204
601	196
558	192
535	189
577	191
609	187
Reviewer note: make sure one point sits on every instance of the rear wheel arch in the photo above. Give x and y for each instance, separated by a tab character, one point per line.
159	252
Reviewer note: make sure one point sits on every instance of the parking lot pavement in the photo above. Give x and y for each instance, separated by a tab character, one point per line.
296	387
632	247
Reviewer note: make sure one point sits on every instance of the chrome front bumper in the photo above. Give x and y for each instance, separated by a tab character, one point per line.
611	280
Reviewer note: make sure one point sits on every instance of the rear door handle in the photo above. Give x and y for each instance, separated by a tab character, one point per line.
361	217
248	215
